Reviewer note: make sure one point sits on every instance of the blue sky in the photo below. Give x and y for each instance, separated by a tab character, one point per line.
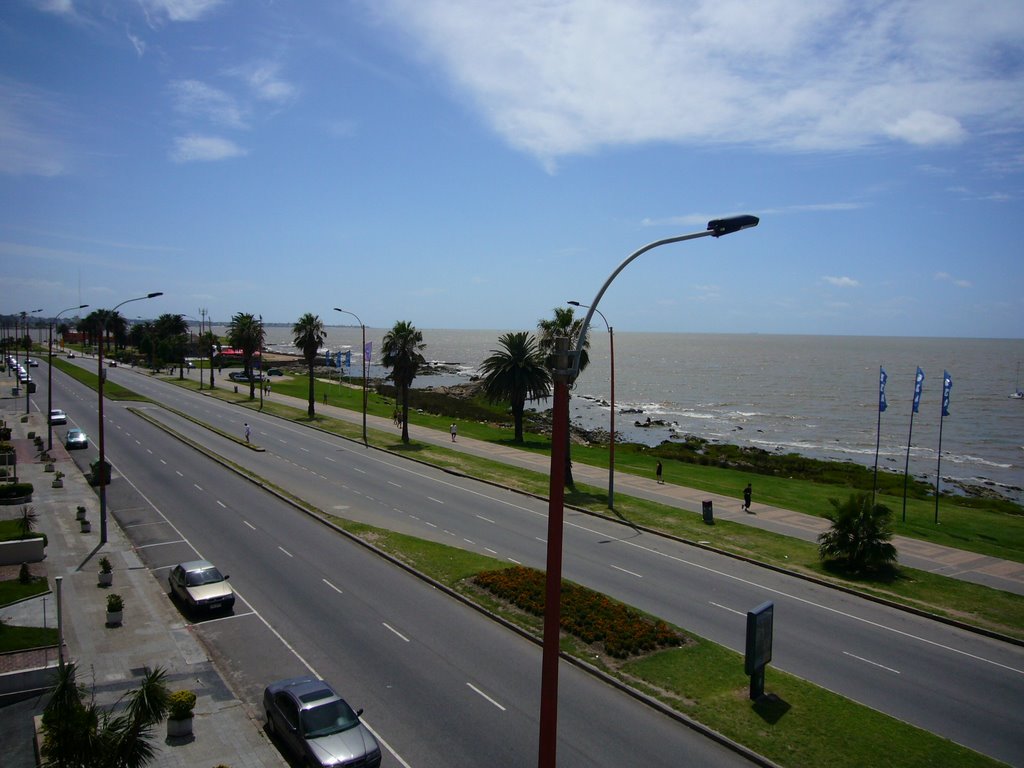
473	164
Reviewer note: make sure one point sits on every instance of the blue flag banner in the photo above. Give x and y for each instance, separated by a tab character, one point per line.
947	384
882	405
337	359
327	358
918	382
367	350
348	358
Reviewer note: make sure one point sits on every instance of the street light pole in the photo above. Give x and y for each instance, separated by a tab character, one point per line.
28	367
565	370
362	354
611	416
49	378
102	465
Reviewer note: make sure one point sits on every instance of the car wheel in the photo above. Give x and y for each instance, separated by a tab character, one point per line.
270	723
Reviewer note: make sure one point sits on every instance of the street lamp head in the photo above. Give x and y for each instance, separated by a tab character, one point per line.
154	294
727	226
574	303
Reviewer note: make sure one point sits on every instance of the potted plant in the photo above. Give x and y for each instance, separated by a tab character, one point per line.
58	480
179	713
80	513
106	577
115	610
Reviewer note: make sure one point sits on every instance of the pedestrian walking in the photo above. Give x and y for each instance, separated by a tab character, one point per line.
454	430
657	473
747	493
247	432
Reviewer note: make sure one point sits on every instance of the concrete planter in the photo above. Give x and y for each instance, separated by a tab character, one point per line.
57	483
179	728
86	526
114	618
20	551
105	579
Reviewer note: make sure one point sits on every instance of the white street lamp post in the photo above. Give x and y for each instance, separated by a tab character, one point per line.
49	378
362	354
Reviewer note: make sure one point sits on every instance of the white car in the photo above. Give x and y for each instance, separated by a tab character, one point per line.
57	416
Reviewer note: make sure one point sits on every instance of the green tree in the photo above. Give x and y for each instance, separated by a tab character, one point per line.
514	374
171	331
309	336
400	351
564	324
208	342
245	333
77	733
859	539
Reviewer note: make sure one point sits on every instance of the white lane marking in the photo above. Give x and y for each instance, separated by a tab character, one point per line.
430	524
222	504
197	486
389	627
302	448
727	608
249	524
542	541
484	695
872	663
492	551
436	501
360	471
333	461
485	519
178	473
162	461
286	552
392	482
163	544
325	581
469	541
631	573
513	560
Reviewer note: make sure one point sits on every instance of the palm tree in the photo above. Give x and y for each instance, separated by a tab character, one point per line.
516	373
79	734
859	539
207	342
401	353
245	333
309	337
564	324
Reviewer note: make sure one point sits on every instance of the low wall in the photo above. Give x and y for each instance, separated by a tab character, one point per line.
21	551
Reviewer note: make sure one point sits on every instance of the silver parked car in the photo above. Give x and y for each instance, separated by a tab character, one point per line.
317	725
199	584
57	416
76	438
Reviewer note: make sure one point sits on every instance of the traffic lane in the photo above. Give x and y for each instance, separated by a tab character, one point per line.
320	644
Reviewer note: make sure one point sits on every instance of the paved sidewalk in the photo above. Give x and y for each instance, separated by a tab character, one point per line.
111	660
989	571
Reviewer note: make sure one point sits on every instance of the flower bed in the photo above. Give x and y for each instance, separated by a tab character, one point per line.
588	615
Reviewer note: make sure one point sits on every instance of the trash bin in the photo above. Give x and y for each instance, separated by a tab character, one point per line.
709	512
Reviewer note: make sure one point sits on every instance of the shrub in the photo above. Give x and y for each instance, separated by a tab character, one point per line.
105	566
24	574
15	490
115	603
27	521
181	704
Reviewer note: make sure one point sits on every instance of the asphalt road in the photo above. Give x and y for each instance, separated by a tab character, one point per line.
440	684
958	684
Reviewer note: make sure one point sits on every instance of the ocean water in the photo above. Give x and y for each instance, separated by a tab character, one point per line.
812	395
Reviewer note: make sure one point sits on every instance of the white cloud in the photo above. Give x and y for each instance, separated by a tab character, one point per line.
31	123
842	282
265	82
197	99
179	10
570	76
945	277
195	148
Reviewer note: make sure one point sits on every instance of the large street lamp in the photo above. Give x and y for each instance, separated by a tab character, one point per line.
566	369
104	475
611	415
49	378
362	354
28	367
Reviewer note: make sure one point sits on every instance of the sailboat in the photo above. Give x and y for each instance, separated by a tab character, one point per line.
1017	393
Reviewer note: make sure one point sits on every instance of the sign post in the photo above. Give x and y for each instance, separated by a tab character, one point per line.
759	646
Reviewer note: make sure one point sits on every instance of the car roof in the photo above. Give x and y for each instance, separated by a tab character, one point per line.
196	565
307	691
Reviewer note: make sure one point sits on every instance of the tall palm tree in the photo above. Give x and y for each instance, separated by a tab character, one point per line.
515	373
245	333
309	336
859	539
208	341
400	351
564	324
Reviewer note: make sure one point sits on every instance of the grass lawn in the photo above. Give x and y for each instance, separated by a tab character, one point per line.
12	590
24	638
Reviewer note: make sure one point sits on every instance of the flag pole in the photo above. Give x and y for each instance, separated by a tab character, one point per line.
878	432
947	385
918	381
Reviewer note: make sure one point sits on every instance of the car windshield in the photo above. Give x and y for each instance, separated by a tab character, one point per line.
330	717
205	576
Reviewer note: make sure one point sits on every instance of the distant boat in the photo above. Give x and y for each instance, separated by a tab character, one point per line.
1017	393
